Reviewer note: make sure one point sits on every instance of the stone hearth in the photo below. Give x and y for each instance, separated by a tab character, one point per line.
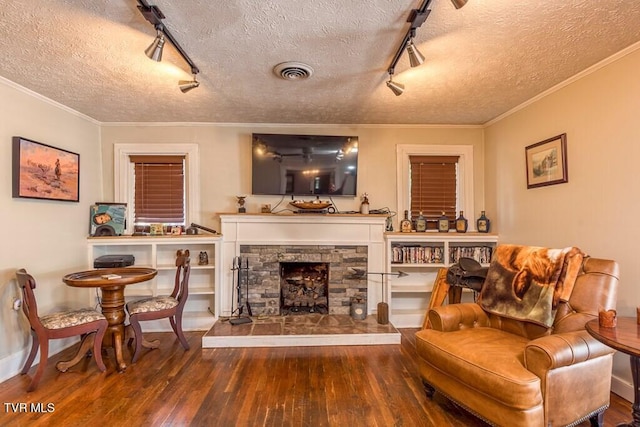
309	330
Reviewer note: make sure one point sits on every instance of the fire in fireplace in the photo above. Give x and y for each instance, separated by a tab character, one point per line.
304	287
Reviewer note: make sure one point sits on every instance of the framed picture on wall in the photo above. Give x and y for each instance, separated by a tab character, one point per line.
547	162
41	171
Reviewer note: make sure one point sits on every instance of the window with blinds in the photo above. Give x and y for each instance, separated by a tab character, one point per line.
433	186
159	191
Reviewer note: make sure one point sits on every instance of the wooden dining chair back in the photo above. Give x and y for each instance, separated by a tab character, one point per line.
159	307
62	324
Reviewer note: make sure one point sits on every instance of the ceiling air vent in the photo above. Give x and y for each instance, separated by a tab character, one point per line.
293	71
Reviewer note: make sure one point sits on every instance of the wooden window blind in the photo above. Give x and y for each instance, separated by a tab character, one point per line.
159	189
433	186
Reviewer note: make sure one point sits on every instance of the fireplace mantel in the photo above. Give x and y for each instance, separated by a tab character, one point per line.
302	229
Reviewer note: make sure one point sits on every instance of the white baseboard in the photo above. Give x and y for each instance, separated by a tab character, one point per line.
189	323
300	340
11	365
622	388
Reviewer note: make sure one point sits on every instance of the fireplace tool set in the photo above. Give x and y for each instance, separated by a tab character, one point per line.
240	277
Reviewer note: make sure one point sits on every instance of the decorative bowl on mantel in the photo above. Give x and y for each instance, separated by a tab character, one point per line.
316	204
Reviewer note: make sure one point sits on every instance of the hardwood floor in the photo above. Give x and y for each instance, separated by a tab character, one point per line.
296	386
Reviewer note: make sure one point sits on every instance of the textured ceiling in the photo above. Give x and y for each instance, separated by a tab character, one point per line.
481	60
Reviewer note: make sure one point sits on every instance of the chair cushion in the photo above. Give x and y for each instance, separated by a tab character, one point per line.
488	360
151	304
66	319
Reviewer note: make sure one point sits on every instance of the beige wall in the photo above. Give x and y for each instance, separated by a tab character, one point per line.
225	159
597	210
48	238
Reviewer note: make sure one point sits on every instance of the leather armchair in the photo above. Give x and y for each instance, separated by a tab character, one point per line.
510	372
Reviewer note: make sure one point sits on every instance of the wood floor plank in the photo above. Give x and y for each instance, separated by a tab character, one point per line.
262	387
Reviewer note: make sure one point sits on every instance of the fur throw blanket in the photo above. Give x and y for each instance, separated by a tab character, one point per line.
528	282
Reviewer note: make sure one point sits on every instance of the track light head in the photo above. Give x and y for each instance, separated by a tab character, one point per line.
155	17
396	88
458	3
154	51
187	85
415	57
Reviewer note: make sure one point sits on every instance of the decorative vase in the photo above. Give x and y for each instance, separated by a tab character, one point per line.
241	208
461	223
443	223
358	308
405	224
421	223
607	319
364	206
483	224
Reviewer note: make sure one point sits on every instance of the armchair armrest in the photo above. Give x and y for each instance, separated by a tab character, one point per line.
454	317
554	351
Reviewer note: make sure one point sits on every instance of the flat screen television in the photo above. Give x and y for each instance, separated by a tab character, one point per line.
319	165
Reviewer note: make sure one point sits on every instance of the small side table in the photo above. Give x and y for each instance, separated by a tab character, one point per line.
625	337
113	301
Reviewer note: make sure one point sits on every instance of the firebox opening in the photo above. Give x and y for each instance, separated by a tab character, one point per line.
304	287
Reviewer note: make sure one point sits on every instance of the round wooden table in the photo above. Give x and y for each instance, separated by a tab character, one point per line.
625	337
111	282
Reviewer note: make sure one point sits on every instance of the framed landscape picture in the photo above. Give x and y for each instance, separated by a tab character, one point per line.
41	171
547	162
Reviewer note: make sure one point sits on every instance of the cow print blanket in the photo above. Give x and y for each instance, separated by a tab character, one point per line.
528	282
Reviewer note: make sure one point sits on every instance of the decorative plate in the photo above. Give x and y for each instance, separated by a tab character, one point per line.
310	205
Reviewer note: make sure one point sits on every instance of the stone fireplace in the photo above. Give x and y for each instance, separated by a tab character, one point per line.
299	279
342	241
266	241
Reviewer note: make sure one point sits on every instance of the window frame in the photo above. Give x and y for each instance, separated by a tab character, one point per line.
124	177
464	184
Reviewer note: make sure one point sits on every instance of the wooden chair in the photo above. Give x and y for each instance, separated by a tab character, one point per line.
83	322
162	306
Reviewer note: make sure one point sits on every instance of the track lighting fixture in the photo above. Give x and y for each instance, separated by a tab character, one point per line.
154	51
417	17
396	88
415	57
187	85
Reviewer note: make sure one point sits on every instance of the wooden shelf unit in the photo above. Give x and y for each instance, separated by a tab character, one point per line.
421	255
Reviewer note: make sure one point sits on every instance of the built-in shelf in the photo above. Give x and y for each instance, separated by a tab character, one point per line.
159	252
421	255
410	289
